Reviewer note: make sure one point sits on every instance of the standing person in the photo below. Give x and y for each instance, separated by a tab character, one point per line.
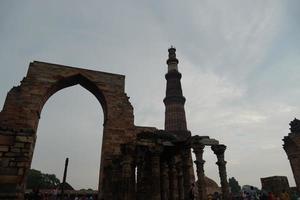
36	194
284	195
263	196
216	196
271	196
294	196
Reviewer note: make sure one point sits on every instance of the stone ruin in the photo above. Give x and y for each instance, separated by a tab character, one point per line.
292	148
275	184
136	162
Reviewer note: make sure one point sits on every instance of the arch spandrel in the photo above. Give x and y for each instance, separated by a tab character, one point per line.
45	79
23	105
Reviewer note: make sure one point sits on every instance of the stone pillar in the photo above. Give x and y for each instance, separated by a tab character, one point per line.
116	179
141	163
188	170
219	151
198	150
155	163
164	180
127	173
180	181
147	177
173	181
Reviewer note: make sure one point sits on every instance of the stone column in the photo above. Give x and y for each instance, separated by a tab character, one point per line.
116	179
164	180
155	163
141	190
219	151
173	181
198	150
180	181
127	173
188	170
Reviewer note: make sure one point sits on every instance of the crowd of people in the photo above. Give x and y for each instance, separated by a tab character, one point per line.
263	195
36	195
243	195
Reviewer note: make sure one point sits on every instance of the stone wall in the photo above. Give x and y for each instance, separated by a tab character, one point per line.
275	184
292	148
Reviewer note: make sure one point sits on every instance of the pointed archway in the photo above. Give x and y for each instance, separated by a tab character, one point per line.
71	125
21	112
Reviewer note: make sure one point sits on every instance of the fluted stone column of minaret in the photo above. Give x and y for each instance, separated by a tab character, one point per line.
175	119
292	149
219	151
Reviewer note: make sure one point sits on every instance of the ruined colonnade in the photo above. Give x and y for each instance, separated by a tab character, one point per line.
158	170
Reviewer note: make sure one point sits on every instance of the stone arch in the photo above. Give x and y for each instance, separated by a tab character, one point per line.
21	112
74	80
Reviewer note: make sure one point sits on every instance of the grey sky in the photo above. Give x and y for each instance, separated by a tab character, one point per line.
239	61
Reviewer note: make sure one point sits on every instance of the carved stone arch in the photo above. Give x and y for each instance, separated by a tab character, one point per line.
21	112
72	80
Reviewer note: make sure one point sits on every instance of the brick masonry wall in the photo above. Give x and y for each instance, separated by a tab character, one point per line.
21	112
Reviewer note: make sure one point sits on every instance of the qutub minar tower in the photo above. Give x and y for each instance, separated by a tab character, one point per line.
175	119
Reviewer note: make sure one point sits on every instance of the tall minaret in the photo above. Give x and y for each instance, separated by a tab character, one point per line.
175	120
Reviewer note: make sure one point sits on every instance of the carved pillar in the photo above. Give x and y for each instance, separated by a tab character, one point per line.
180	181
116	179
164	180
188	173
128	184
198	150
155	163
219	151
141	164
173	181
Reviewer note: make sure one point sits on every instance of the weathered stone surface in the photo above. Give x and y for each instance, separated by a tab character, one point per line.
6	140
24	139
275	184
8	171
19	145
21	171
292	148
23	105
15	150
9	179
3	148
4	162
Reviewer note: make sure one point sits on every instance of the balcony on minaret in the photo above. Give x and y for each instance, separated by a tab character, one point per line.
172	62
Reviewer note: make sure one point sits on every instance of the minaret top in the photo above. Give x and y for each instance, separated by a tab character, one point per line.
172	60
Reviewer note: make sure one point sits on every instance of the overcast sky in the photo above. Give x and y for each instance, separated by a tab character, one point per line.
239	60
